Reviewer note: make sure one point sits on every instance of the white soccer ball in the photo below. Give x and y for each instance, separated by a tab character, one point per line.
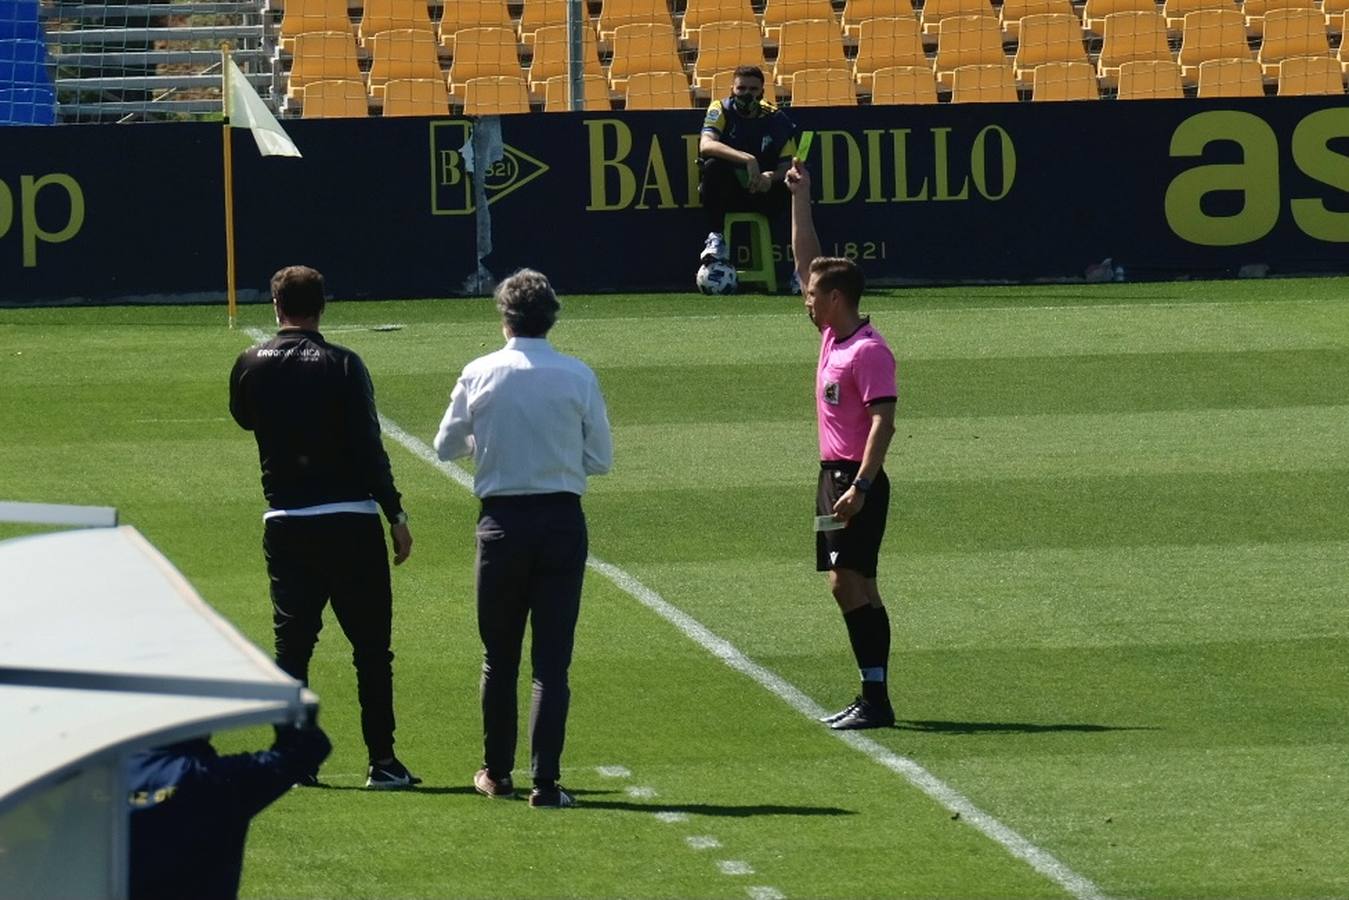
717	277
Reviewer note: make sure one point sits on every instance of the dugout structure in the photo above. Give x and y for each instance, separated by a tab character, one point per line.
105	649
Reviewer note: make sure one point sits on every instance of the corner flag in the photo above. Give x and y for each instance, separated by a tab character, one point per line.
245	109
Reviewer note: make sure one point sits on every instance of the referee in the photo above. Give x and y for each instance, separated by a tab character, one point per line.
855	397
326	477
534	421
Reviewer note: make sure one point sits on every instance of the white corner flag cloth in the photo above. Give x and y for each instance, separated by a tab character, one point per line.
246	110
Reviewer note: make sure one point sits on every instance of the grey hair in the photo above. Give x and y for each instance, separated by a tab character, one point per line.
527	303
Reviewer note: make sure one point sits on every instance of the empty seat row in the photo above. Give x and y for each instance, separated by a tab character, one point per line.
883	43
490	95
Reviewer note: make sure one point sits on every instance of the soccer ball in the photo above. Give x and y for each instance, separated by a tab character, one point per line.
717	277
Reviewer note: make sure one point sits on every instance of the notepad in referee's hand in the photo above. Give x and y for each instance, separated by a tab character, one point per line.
828	523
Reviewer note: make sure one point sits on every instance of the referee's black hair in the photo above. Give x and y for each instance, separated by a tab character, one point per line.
527	303
298	292
838	273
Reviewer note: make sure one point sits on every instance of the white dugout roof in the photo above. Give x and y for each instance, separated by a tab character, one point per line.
105	649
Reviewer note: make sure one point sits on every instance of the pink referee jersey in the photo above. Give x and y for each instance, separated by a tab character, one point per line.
853	372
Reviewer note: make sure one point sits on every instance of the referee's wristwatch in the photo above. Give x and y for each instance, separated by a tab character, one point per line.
400	519
862	484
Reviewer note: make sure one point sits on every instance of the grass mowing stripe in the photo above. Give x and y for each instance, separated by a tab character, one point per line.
1040	860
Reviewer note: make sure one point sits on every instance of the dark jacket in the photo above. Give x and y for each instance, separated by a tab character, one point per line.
190	809
311	406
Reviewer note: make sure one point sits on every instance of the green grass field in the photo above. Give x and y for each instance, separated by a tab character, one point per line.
1116	569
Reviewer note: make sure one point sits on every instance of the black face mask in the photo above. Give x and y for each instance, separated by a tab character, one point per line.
745	104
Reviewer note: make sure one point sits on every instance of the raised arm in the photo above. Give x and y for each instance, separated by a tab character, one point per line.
805	242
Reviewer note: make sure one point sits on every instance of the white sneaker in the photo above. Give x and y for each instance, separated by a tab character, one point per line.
714	248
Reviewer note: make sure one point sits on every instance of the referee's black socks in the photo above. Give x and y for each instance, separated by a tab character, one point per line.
869	632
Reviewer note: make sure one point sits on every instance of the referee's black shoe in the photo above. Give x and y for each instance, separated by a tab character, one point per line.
864	714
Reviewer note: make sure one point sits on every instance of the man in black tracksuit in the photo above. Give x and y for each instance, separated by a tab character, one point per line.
326	477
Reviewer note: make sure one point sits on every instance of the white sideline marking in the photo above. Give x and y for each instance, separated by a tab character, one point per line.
641	792
1040	860
670	817
702	842
735	867
1037	858
613	771
763	892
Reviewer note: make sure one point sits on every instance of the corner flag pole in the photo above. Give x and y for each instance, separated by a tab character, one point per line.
231	299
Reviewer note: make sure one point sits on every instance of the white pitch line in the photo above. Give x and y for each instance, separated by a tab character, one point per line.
763	892
1037	858
613	771
669	817
735	867
641	793
702	842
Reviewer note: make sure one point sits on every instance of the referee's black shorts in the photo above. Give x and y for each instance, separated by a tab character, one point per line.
857	546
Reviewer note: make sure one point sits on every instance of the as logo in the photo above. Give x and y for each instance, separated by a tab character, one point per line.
452	183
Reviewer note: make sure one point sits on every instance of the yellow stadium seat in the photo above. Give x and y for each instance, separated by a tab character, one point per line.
1256	10
403	53
987	83
323	56
1150	79
823	87
721	86
700	13
967	41
777	13
542	13
1290	33
1303	75
1334	11
461	14
496	95
393	15
336	99
1210	34
1238	77
1095	11
416	97
557	94
552	45
1045	38
1132	37
858	11
643	48
304	16
724	45
481	52
1012	12
886	43
1064	81
808	44
1175	11
657	90
903	85
936	10
631	12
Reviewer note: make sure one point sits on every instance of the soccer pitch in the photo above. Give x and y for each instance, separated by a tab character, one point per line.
1116	568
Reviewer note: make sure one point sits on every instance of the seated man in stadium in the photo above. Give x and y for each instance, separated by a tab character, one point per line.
744	153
